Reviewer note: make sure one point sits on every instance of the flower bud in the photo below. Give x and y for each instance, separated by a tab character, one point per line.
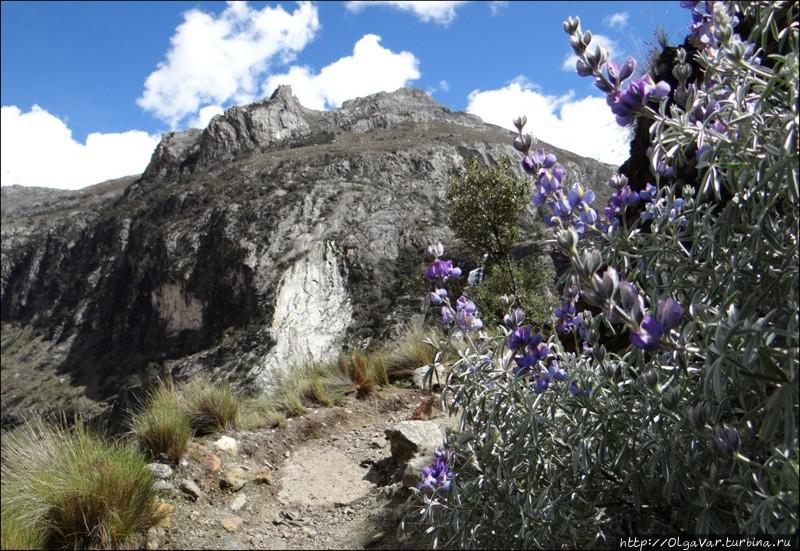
599	353
582	68
627	294
590	261
726	439
522	143
650	377
610	281
697	416
519	122
567	239
671	398
577	46
586	38
514	318
571	25
627	69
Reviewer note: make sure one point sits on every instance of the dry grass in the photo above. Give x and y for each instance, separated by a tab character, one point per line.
162	428
408	352
70	489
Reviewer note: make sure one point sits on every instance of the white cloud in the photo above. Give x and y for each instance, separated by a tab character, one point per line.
212	60
616	20
584	126
444	86
37	149
372	68
496	6
439	12
205	115
597	40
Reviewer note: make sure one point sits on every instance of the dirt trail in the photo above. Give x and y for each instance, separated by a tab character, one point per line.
331	483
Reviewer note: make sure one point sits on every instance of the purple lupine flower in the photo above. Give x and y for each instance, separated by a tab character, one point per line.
439	269
626	104
549	160
438	296
566	316
577	196
442	269
649	192
463	303
675	211
617	73
529	165
523	337
448	315
438	474
554	372
668	315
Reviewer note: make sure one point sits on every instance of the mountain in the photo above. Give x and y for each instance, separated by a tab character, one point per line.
274	235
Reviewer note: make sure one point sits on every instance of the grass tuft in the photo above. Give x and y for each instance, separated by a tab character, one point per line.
408	352
259	412
210	407
70	489
162	428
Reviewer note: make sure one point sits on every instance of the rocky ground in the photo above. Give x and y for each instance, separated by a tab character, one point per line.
331	479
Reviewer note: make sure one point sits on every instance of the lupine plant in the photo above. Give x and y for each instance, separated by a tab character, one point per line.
675	410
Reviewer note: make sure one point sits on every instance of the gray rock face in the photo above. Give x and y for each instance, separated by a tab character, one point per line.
275	235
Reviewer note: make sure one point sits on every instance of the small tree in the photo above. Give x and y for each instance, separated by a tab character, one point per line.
486	203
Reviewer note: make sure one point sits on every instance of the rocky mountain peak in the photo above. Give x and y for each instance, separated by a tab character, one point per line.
282	121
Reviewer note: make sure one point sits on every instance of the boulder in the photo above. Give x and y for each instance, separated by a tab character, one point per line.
227	444
160	470
190	488
232	524
410	438
234	479
438	378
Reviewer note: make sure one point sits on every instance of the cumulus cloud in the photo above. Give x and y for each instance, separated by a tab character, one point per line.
372	68
215	59
37	149
597	40
582	125
205	115
616	20
438	12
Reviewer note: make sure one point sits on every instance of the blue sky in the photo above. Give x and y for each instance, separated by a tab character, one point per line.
96	83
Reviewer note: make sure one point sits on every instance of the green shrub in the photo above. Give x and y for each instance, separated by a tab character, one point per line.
209	406
531	281
69	488
678	412
162	428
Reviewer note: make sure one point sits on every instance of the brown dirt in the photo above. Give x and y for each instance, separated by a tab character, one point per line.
335	490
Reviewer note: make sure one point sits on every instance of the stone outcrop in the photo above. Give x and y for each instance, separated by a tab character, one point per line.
277	234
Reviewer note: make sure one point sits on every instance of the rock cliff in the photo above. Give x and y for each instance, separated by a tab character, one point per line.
276	234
